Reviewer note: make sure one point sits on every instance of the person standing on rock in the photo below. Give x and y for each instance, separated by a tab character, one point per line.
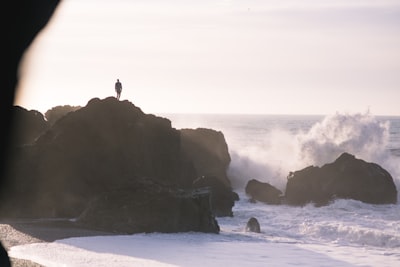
118	88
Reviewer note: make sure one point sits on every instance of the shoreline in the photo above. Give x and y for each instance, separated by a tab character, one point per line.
15	232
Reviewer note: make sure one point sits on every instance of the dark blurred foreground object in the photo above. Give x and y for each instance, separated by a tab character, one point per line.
24	21
4	260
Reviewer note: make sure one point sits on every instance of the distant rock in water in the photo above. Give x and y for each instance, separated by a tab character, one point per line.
263	192
253	225
347	177
102	148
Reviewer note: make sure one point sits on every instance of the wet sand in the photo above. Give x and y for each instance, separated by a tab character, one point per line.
20	232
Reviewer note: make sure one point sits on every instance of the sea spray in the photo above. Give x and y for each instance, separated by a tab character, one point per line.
357	224
279	151
269	159
359	134
362	135
268	147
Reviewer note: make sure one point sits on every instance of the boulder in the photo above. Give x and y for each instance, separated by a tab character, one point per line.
263	192
347	177
208	151
253	225
149	206
222	197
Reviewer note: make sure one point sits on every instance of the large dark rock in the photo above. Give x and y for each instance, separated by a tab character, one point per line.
147	206
95	149
90	151
99	149
28	126
222	197
263	192
208	151
56	113
347	177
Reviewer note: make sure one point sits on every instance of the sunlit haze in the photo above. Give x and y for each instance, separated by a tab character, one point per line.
210	56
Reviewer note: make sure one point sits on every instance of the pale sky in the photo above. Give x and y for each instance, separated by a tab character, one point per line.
216	56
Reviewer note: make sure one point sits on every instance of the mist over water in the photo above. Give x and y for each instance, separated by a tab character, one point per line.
268	147
360	134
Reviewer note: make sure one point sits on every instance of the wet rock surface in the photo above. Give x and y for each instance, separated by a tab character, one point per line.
347	177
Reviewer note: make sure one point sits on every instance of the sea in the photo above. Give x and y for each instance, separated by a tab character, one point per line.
267	147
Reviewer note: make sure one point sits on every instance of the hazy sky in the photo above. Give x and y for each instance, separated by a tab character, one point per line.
274	57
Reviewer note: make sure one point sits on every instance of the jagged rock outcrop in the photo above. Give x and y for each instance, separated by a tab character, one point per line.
347	177
208	151
222	197
148	206
28	126
263	192
94	151
56	113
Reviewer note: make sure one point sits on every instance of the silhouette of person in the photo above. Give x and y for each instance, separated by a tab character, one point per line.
118	88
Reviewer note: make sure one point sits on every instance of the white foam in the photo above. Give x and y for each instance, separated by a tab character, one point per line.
191	250
345	233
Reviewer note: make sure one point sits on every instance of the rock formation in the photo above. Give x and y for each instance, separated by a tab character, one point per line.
222	197
148	206
28	126
56	113
253	225
347	177
263	192
107	147
207	149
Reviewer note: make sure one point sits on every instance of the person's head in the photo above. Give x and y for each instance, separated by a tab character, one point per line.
117	80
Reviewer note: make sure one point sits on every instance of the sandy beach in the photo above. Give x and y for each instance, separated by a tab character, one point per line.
20	232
